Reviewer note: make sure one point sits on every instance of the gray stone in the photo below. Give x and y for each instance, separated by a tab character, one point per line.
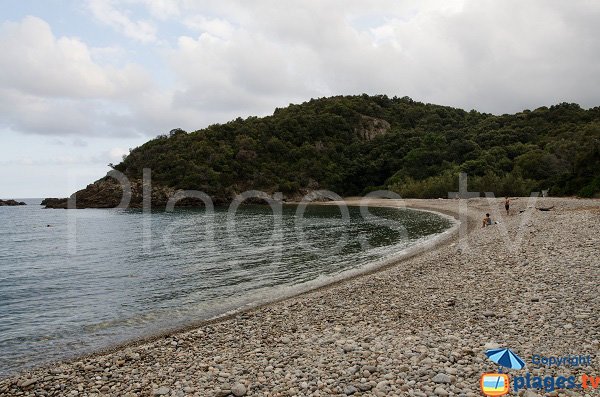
382	385
28	382
365	386
161	391
442	378
530	393
238	390
491	345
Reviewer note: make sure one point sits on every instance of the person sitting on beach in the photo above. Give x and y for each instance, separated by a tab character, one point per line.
487	221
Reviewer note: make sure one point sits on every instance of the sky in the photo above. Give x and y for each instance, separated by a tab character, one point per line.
82	82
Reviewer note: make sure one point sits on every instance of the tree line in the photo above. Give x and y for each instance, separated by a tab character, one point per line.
356	144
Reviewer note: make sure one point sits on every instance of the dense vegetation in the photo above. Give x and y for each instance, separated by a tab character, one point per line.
355	144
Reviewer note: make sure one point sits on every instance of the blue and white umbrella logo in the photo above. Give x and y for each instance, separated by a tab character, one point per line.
506	358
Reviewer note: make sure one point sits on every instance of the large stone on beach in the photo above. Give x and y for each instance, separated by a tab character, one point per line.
439	391
161	391
238	390
365	386
442	378
28	383
491	345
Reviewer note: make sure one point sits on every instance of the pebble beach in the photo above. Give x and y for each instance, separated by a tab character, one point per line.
417	327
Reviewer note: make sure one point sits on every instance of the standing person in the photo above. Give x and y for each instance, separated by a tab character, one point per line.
507	205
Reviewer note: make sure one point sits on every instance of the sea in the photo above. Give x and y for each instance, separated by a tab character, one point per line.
73	282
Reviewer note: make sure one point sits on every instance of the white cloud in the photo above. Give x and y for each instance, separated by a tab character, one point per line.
77	142
163	9
236	58
109	55
35	62
51	85
140	30
216	27
117	153
114	155
493	56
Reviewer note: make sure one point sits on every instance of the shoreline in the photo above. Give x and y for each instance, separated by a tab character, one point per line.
295	322
289	292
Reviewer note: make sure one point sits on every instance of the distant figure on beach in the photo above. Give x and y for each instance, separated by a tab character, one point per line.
487	221
507	205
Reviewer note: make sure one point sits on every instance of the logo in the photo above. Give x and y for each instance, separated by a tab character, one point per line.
494	384
498	384
505	358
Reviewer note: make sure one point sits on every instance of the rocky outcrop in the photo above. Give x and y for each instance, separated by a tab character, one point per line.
370	127
54	202
108	193
10	203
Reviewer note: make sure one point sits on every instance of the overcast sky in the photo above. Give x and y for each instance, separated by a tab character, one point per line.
83	81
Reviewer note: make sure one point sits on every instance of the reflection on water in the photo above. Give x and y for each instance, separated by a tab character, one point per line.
126	274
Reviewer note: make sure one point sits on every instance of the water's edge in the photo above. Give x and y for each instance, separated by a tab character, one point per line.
283	293
330	281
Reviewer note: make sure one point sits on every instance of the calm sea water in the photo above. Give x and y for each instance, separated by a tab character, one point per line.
99	277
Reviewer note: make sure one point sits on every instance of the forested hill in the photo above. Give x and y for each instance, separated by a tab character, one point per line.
354	144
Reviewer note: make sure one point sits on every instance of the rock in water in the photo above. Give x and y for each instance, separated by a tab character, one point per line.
55	202
10	203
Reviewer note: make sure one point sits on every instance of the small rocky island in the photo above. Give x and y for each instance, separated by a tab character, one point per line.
10	203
